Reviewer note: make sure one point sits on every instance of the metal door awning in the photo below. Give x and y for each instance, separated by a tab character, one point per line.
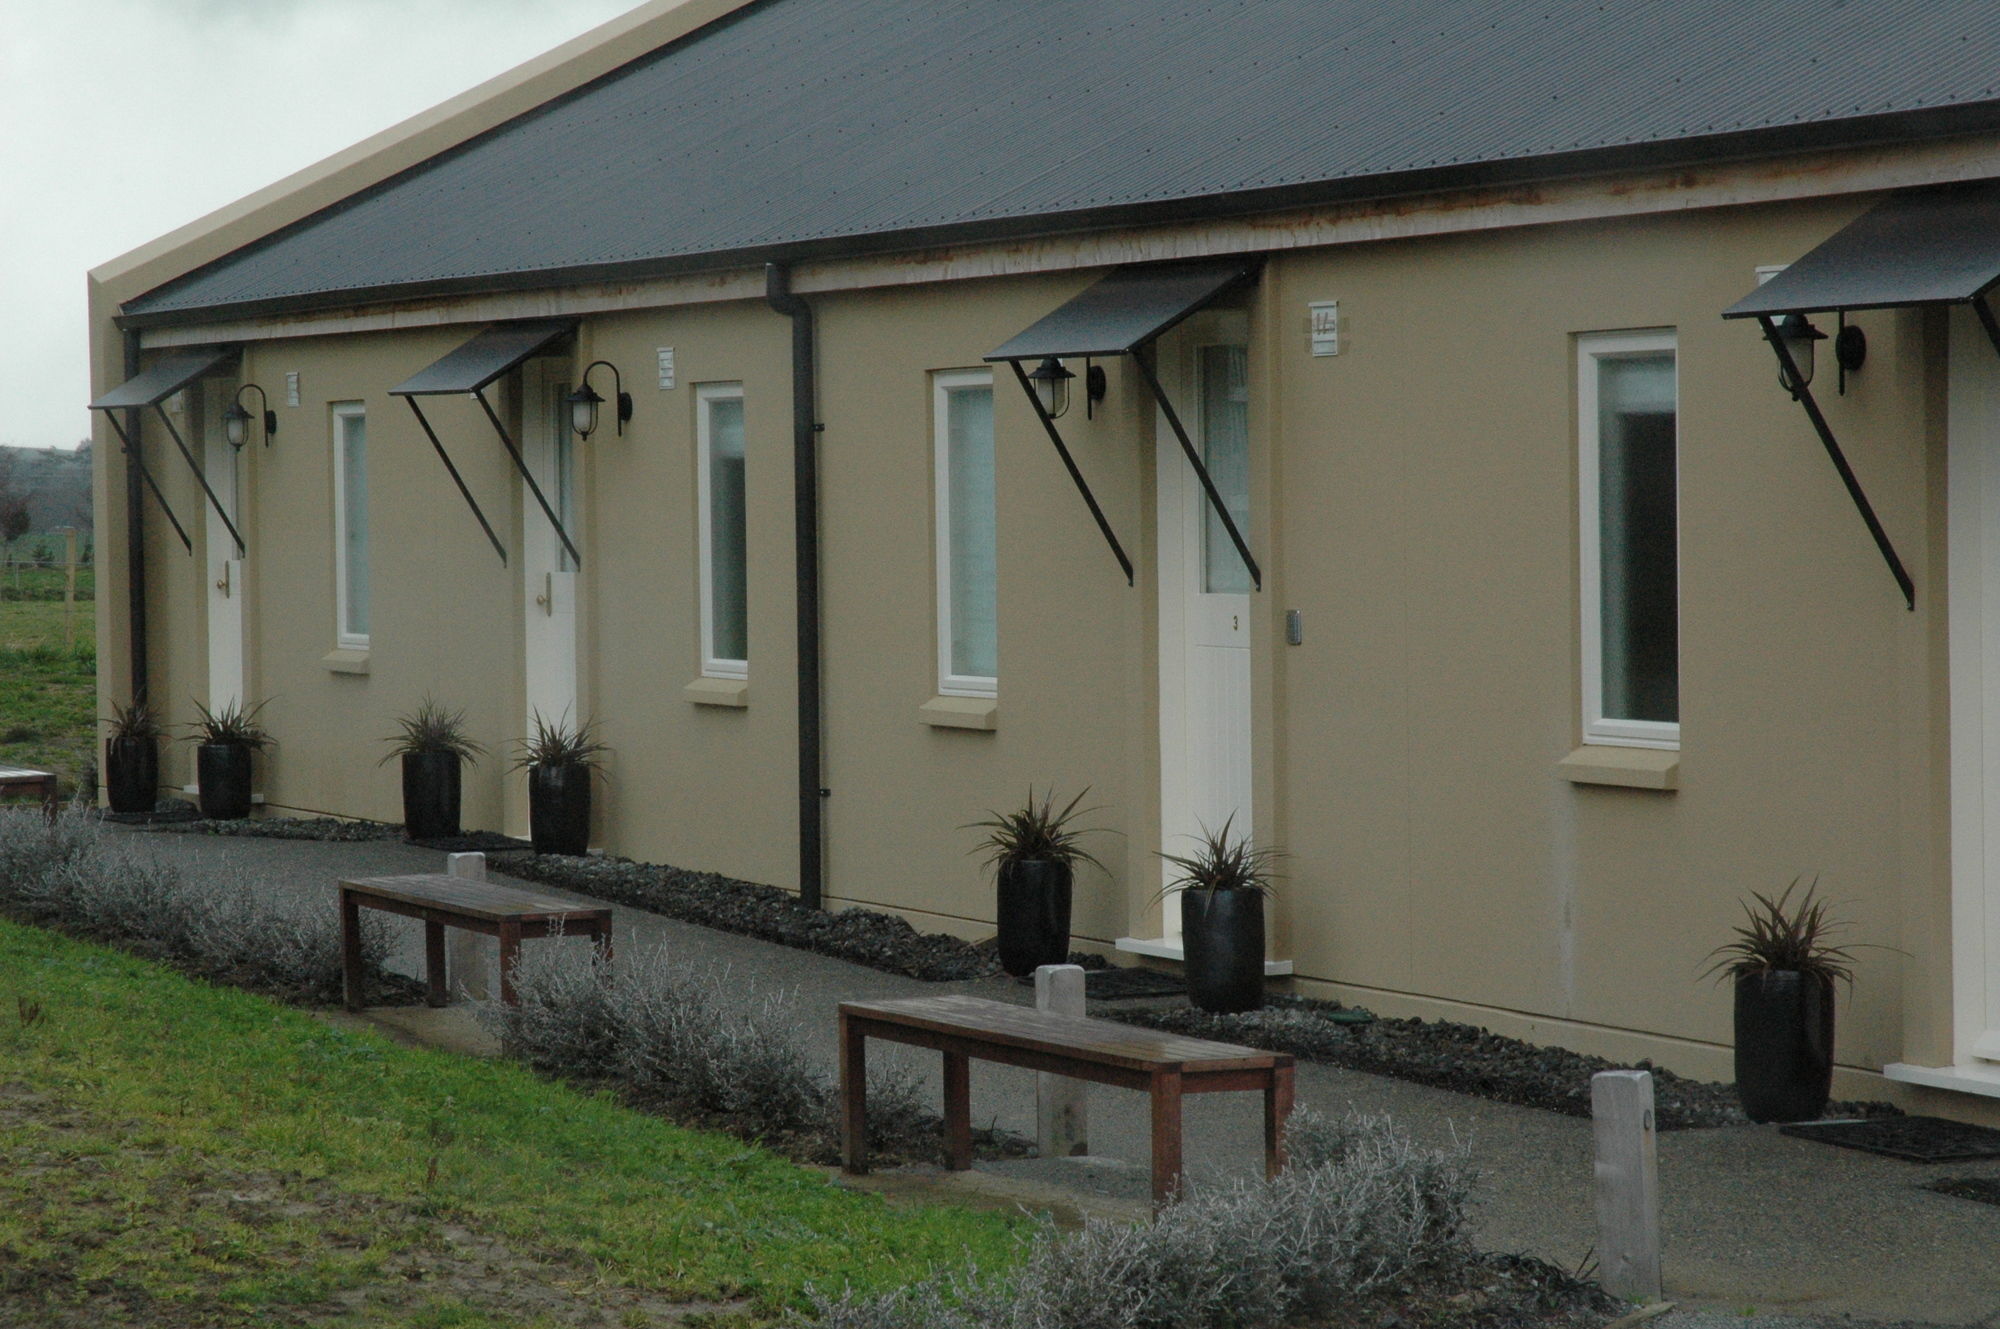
468	370
150	387
1122	314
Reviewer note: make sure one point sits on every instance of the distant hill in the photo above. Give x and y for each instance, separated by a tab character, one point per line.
55	485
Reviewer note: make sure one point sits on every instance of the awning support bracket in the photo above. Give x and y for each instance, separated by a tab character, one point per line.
522	466
241	550
1804	396
1987	321
132	454
1076	475
1215	502
458	480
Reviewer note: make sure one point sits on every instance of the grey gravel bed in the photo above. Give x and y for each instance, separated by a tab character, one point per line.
1460	1057
1452	1056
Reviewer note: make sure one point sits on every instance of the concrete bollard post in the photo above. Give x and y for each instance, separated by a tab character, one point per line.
1062	1117
467	951
1627	1184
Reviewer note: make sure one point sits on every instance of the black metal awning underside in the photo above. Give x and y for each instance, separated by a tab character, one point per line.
1923	248
468	370
150	387
1122	314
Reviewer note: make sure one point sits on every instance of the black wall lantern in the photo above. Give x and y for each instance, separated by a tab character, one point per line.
236	420
1798	334
583	403
1051	380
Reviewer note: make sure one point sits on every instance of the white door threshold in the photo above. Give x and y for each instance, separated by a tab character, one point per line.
1979	1078
1169	948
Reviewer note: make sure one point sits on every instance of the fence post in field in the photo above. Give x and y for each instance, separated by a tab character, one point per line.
69	588
1627	1184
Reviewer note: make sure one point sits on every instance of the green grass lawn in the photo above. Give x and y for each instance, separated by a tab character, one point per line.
172	1152
48	690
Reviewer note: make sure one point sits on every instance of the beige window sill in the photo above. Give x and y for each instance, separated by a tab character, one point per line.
961	712
718	692
346	661
1625	768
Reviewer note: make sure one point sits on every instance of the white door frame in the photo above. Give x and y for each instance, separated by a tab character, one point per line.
226	584
549	583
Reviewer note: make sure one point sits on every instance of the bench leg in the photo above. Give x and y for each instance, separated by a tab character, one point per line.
510	957
350	949
49	804
853	1096
437	989
957	1111
1277	1110
601	938
1166	1095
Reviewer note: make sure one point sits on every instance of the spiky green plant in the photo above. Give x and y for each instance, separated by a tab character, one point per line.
134	721
230	725
1782	936
1035	832
560	743
432	728
1222	862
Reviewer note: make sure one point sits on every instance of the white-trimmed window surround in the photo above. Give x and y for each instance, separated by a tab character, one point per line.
350	525
725	605
1628	471
967	539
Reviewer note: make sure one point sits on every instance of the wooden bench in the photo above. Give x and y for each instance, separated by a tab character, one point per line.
1167	1066
505	912
15	779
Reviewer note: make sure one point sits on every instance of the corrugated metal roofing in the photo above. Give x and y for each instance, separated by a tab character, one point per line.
801	126
1125	309
1930	247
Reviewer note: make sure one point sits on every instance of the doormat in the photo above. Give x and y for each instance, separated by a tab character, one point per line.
1913	1139
1115	984
1986	1190
476	842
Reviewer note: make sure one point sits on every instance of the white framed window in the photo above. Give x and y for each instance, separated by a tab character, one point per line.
725	582
967	534
350	524
1628	413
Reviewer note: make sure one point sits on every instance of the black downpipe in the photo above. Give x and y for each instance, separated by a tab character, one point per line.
135	534
805	515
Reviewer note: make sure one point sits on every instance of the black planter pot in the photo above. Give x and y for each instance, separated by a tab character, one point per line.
430	794
559	809
222	771
132	773
1222	933
1033	914
1784	1045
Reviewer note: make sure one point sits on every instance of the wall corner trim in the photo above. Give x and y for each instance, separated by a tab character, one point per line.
961	713
706	691
1625	768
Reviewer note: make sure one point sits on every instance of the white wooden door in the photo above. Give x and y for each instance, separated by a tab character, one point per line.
223	466
548	575
1205	587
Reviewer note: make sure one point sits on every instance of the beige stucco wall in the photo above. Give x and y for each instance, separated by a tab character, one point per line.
1417	504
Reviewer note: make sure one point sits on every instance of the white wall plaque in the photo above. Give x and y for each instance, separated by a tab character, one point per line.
666	367
1325	326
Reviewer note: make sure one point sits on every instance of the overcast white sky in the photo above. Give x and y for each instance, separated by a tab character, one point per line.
123	119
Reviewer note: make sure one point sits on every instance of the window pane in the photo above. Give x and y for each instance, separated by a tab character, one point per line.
975	644
728	580
354	522
1639	543
1225	434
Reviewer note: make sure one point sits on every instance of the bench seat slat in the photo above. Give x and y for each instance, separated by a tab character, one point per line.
1066	1036
462	895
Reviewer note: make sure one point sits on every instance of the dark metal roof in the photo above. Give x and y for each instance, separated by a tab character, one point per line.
1929	247
486	357
1125	310
167	376
802	127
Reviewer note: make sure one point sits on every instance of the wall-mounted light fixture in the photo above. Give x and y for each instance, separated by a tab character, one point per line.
583	403
236	420
1051	381
1850	349
1798	335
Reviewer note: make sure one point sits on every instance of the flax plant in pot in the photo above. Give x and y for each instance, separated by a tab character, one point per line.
1222	886
434	748
560	759
1033	852
226	739
132	758
1784	964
